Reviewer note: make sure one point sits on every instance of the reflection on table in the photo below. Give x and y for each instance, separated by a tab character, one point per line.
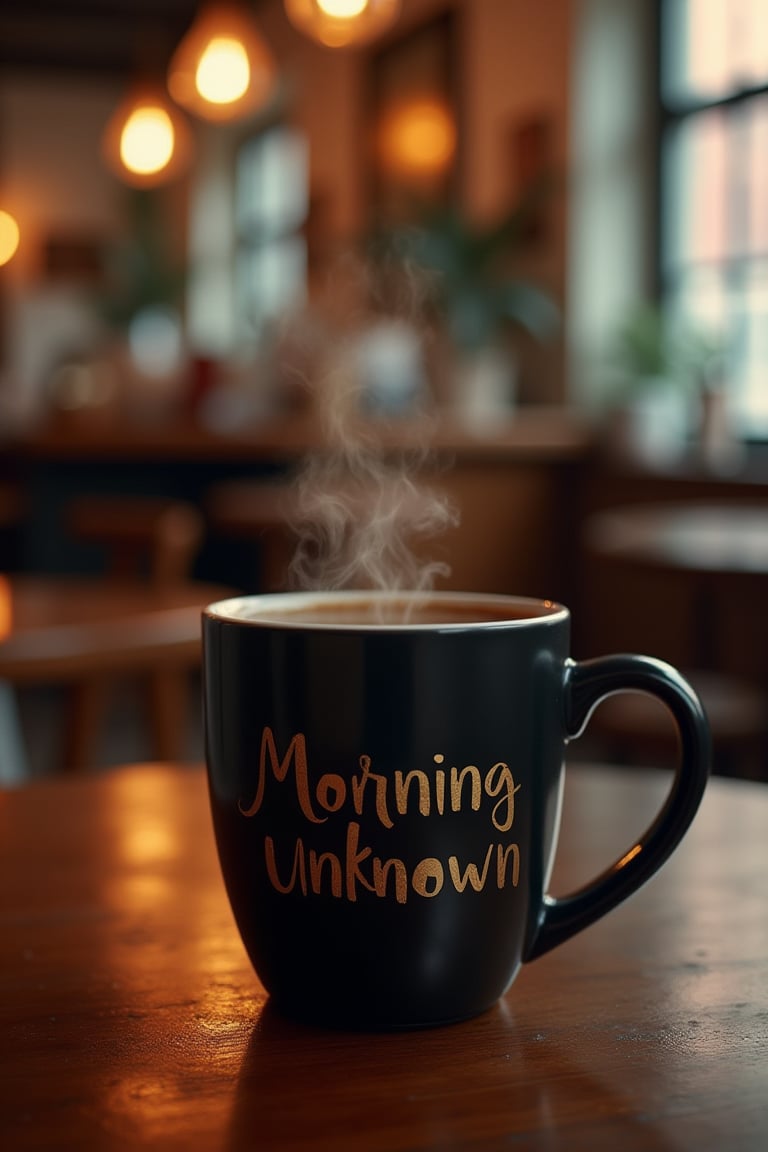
133	1019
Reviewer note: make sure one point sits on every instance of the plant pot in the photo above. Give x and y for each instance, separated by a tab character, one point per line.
650	428
720	448
483	385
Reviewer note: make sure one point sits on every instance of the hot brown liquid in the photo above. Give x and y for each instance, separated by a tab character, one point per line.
397	611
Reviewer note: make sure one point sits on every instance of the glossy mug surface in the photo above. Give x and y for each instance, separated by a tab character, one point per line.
385	778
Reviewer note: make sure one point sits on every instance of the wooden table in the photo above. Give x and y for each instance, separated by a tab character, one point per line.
696	575
64	630
130	1017
712	539
718	553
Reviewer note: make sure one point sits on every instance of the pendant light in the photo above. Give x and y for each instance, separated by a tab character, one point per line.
9	236
222	69
6	607
147	141
342	23
416	138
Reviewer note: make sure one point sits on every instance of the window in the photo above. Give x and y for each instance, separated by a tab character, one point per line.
714	185
270	212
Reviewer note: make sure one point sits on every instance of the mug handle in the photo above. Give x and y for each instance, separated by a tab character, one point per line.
585	685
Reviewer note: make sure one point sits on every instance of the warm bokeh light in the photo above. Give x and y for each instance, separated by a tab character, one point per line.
343	9
144	836
223	74
6	608
9	237
146	142
222	69
417	138
342	23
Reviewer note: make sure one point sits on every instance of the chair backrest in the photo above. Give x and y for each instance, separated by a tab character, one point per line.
12	509
142	537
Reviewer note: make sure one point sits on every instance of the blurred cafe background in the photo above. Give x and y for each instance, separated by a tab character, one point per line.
507	259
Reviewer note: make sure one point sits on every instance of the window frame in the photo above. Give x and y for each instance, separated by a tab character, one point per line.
251	238
671	115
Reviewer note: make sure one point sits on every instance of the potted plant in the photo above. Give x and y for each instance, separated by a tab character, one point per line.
142	305
474	296
660	376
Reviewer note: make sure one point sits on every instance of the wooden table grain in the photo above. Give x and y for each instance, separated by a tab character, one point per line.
130	1018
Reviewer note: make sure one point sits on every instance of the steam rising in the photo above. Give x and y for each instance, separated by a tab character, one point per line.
359	511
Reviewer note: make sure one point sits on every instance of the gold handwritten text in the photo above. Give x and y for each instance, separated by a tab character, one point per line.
436	791
304	870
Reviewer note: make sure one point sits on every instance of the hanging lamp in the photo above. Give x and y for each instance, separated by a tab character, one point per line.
342	23
222	69
9	236
6	607
417	138
147	141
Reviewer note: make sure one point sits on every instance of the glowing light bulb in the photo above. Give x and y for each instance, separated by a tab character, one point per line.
9	237
342	9
223	74
146	141
223	69
6	604
343	23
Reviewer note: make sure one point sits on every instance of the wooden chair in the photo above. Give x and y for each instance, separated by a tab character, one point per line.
142	539
149	538
12	509
260	512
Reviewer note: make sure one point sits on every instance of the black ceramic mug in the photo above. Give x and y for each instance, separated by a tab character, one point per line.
385	778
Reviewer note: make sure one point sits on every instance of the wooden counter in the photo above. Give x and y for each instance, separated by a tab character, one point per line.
514	485
527	433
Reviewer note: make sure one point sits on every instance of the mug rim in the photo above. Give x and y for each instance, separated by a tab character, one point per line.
232	610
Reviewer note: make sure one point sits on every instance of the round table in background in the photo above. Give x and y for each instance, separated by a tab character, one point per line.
715	539
720	552
63	631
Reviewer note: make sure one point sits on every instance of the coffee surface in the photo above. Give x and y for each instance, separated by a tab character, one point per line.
394	612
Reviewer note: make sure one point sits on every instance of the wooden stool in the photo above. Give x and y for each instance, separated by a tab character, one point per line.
143	539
